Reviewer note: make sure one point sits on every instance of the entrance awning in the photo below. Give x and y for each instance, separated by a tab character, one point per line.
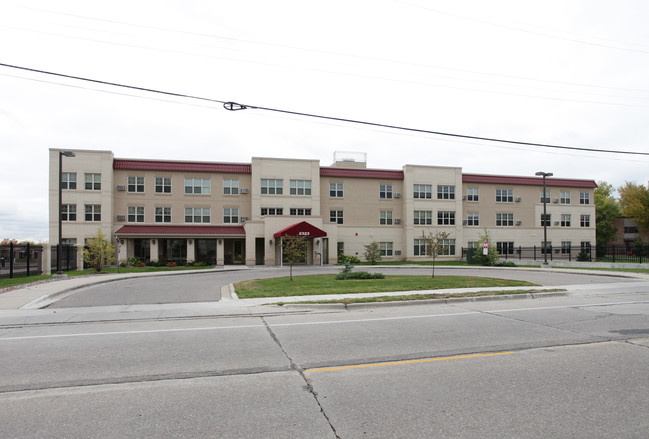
301	229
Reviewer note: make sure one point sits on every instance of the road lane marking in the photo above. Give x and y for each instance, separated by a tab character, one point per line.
395	363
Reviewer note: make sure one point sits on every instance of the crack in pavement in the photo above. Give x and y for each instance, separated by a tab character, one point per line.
299	370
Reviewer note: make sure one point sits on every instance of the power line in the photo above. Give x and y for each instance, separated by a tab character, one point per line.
234	106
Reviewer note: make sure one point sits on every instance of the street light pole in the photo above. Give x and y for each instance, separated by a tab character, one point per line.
545	217
59	269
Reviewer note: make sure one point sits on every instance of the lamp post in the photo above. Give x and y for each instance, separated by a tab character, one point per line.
59	270
545	217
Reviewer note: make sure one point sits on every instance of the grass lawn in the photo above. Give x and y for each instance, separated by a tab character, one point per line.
327	284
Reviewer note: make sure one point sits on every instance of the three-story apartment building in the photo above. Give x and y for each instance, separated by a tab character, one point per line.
237	213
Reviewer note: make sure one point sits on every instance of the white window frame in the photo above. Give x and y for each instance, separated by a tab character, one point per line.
135	184
473	194
447	247
163	185
547	196
135	214
272	186
68	212
504	219
422	191
92	181
300	187
385	217
230	215
272	211
92	212
336	190
198	215
504	195
162	214
423	218
584	198
507	246
584	221
385	191
69	179
198	186
420	247
336	216
564	197
230	186
473	219
300	211
565	219
445	218
546	219
386	248
445	192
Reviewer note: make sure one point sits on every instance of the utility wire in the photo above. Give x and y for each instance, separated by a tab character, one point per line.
234	106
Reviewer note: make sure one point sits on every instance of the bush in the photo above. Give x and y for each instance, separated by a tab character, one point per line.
359	275
505	264
134	261
342	259
122	264
583	256
200	264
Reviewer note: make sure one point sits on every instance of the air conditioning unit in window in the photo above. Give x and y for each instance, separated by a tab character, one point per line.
121	217
518	223
518	199
244	191
464	222
556	223
121	187
556	200
397	252
397	195
464	197
244	218
397	221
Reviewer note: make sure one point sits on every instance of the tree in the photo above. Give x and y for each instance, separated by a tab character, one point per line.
294	250
8	241
606	212
372	252
99	251
634	203
433	243
492	256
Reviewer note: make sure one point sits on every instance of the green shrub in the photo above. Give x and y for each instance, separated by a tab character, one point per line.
122	264
200	264
583	256
351	259
505	264
359	275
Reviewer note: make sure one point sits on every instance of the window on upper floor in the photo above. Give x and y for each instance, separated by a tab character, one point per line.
93	182
423	217
198	214
472	194
565	220
422	191
504	195
69	181
546	220
385	217
270	186
565	197
584	198
298	211
336	216
445	192
163	214
504	219
230	187
163	185
547	197
135	214
473	219
202	186
272	211
135	184
336	190
93	212
231	215
68	212
300	187
584	221
385	191
445	218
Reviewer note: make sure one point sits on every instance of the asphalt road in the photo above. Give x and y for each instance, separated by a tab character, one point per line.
555	367
206	287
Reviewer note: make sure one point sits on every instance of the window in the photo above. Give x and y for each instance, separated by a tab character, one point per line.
546	247
472	244
93	182
231	215
272	211
584	198
547	196
565	197
93	212
584	220
423	217
272	187
504	219
473	219
198	186
385	248
335	190
300	187
422	191
163	214
472	194
385	191
385	217
445	218
198	214
565	247
565	220
135	184
546	220
447	247
505	247
68	241
300	211
163	185
445	192
585	246
504	195
69	180
421	247
336	216
68	212
135	214
230	187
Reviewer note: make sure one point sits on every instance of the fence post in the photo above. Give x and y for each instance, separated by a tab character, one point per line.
569	252
535	253
11	260
28	259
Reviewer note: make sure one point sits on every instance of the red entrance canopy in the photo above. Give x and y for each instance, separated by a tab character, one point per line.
301	229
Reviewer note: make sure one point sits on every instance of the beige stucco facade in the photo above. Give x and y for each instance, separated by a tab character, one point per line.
227	213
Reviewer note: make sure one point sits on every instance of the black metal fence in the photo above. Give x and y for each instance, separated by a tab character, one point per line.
634	254
20	260
68	257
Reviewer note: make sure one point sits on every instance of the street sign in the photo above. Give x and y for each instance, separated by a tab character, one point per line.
485	248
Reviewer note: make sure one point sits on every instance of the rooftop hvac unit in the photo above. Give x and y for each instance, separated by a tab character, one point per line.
121	217
518	199
244	191
244	218
121	187
397	195
397	221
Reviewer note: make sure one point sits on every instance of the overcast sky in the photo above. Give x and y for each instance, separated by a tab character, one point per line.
561	72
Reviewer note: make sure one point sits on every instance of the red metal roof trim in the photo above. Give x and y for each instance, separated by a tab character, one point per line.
301	229
531	181
162	165
182	230
361	173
